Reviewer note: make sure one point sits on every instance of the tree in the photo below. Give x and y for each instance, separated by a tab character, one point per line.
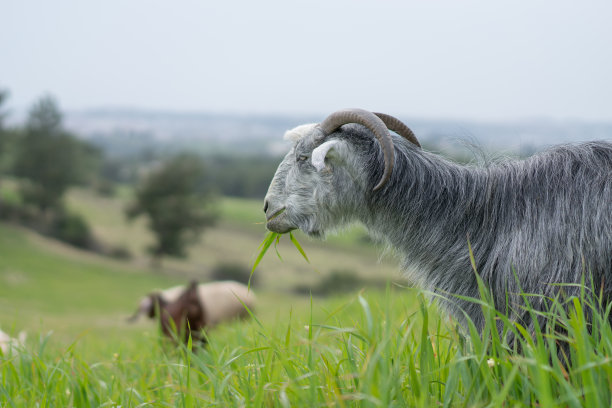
4	133
3	98
49	159
178	203
4	94
6	138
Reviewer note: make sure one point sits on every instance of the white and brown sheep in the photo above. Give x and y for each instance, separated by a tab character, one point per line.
196	306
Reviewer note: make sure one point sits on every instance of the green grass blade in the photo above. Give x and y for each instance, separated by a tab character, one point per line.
268	240
298	246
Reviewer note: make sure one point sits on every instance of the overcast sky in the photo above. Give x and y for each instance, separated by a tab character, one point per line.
483	60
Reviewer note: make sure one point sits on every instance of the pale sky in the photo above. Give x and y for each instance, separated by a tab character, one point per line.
482	60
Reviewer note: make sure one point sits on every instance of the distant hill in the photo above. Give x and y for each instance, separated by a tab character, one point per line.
123	130
204	132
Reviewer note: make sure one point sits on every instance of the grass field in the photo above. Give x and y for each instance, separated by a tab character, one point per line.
368	348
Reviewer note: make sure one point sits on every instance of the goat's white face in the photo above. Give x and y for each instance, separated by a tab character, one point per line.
308	189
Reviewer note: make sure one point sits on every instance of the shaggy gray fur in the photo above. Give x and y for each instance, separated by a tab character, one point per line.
531	223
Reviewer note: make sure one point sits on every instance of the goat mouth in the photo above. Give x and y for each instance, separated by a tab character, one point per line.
276	214
277	222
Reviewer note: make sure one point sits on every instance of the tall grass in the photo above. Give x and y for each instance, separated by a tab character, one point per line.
369	350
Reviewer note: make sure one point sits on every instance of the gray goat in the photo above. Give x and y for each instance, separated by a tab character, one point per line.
532	224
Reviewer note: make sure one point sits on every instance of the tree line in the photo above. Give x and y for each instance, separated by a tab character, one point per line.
175	193
229	175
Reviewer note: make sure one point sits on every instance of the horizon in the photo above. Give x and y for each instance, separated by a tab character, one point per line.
453	134
17	115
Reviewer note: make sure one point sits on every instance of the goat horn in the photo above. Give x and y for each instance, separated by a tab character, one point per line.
372	122
398	127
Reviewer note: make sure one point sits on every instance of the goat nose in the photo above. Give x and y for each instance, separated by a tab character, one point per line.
265	206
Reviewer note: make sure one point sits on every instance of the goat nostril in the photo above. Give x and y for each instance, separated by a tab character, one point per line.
265	206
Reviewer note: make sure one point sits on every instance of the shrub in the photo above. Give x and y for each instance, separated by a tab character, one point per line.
13	211
232	271
341	281
338	281
120	252
71	228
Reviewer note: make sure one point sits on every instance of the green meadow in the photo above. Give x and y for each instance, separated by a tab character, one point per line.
372	347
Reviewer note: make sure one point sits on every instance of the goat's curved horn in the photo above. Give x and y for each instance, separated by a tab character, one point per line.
398	127
372	122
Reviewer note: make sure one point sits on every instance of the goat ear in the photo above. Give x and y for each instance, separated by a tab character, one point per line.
320	152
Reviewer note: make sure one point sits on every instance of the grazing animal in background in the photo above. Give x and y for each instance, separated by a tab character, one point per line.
532	224
8	343
185	316
198	306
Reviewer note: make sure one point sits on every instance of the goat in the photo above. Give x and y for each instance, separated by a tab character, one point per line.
196	306
532	224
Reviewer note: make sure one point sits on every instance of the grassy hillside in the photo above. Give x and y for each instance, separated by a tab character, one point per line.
46	286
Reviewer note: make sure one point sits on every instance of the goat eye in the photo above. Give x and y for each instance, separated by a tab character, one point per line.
302	157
